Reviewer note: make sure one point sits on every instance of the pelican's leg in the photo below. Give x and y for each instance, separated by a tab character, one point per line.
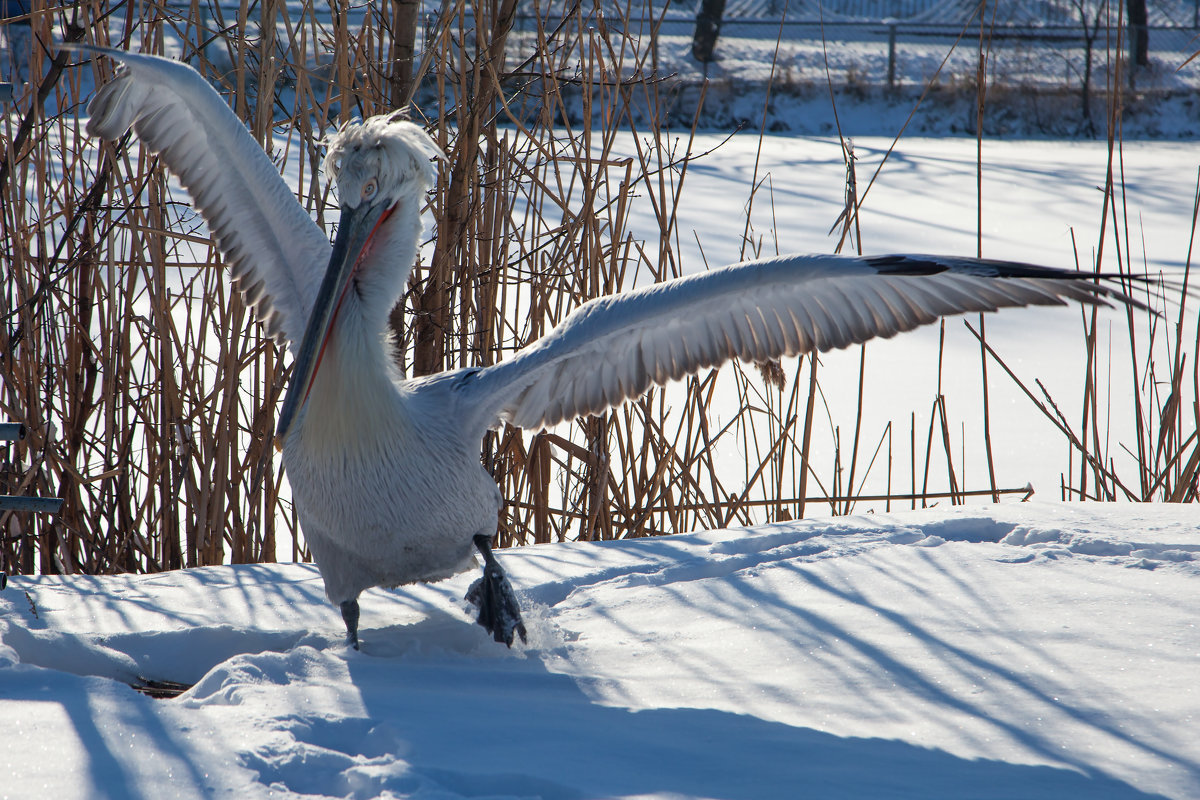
499	612
350	616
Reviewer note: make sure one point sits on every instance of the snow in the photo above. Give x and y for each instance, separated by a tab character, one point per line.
1026	651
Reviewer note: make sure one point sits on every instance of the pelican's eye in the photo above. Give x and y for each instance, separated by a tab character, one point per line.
370	189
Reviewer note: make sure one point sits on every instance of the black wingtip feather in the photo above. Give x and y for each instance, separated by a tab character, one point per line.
905	265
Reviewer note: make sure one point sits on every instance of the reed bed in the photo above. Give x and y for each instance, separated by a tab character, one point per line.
150	392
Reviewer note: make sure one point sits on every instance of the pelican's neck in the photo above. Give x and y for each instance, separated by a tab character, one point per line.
353	400
388	260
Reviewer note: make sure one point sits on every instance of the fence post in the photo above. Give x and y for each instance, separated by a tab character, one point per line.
891	73
708	26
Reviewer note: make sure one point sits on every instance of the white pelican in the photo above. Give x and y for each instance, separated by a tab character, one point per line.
385	471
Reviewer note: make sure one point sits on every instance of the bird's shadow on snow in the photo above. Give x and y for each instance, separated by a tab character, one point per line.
445	712
489	722
534	733
509	727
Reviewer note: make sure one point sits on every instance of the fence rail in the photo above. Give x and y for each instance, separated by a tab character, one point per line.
15	432
898	53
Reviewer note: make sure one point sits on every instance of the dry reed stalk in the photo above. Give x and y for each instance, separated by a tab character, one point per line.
1162	441
985	42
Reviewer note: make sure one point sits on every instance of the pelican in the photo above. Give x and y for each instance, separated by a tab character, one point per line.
385	471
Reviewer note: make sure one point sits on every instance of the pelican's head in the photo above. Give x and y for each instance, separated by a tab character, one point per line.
382	168
381	161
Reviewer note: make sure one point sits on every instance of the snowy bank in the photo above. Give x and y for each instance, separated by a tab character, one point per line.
1032	651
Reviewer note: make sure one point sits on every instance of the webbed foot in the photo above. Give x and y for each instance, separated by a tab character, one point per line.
350	616
499	612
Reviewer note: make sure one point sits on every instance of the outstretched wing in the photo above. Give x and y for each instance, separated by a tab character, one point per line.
276	252
613	348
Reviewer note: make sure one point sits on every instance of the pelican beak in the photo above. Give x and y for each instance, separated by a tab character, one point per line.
355	228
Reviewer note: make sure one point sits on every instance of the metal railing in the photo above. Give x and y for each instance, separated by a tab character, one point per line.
13	432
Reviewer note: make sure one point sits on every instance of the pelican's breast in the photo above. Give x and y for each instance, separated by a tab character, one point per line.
387	489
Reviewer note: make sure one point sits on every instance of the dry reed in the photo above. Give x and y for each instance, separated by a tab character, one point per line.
149	392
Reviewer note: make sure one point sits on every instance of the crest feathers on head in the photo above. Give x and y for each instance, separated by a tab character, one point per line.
388	146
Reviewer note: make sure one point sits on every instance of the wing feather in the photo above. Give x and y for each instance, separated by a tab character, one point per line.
613	348
275	251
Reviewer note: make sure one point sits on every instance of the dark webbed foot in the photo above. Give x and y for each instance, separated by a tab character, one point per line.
499	612
350	615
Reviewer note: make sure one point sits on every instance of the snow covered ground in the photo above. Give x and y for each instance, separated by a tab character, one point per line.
1033	651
